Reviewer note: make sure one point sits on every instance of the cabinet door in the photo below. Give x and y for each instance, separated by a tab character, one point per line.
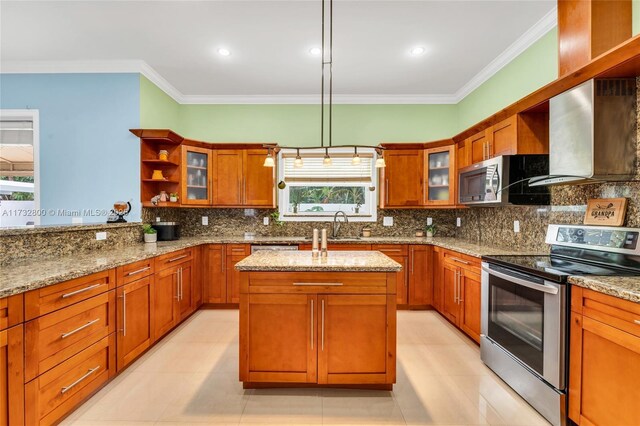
469	293
440	175
479	144
403	178
227	177
134	320
356	339
604	374
259	181
438	285
420	279
463	154
165	293
185	286
215	274
233	278
196	176
12	376
450	306
504	138
279	339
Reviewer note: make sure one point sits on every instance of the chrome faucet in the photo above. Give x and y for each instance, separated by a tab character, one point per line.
336	225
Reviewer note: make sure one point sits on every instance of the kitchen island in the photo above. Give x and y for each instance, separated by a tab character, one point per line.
325	322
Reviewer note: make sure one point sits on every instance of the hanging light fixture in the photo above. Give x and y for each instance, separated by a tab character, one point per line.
297	163
355	160
327	160
269	161
380	160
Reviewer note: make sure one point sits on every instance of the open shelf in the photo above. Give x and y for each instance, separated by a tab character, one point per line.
160	181
160	163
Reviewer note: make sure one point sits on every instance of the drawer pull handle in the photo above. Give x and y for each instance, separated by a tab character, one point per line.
73	293
178	258
321	284
82	327
464	262
74	384
139	271
637	321
311	322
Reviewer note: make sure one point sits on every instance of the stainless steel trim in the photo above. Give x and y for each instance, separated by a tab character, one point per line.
320	284
540	287
498	167
552	233
455	287
177	297
460	299
178	258
66	389
311	324
82	327
139	271
73	293
323	324
124	314
455	259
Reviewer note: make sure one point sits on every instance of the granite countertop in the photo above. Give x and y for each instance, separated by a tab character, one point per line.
30	274
627	288
336	261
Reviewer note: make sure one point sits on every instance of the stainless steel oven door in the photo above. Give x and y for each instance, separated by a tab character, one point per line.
525	316
480	183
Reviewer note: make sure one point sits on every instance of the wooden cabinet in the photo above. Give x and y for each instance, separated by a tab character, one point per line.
186	304
450	307
438	285
135	319
402	180
604	359
469	300
280	338
463	154
241	180
196	176
235	253
399	253
478	145
420	276
165	294
11	311
215	274
12	376
440	176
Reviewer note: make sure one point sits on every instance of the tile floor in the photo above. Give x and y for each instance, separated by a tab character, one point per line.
191	377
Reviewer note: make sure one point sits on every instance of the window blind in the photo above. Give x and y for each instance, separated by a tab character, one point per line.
341	169
16	132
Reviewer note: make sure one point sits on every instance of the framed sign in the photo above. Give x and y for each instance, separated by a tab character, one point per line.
606	211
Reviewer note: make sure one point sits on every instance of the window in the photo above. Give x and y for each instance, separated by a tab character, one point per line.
19	183
315	191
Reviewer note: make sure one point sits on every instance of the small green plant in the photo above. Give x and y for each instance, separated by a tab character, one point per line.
174	195
275	218
148	229
430	230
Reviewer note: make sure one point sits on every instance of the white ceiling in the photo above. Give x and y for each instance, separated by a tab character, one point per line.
269	41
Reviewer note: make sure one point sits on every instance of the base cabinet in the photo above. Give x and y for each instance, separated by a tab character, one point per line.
165	294
604	360
214	277
469	319
12	376
235	253
420	276
135	319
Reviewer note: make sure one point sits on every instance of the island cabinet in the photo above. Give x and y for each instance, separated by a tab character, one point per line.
235	253
399	253
172	290
318	328
241	180
604	359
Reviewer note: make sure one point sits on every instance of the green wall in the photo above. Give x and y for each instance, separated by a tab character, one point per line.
157	109
299	125
532	69
636	16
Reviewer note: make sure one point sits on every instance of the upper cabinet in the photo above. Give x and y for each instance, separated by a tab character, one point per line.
440	170
241	180
227	183
526	133
196	176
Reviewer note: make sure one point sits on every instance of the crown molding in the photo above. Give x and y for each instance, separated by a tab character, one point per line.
533	34
539	29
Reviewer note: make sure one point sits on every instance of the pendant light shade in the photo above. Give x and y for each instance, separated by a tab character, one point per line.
380	162
269	161
327	160
297	163
356	158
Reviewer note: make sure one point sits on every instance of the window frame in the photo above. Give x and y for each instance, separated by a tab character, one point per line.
371	197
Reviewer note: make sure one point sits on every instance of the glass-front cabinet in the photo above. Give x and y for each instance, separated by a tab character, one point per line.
196	176
440	176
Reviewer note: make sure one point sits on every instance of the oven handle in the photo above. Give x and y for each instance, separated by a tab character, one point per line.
540	287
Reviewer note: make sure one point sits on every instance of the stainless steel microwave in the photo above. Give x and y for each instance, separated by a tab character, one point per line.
504	180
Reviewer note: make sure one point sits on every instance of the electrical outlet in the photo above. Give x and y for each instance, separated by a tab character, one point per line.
429	221
76	220
458	222
387	221
205	220
101	236
516	226
157	218
265	220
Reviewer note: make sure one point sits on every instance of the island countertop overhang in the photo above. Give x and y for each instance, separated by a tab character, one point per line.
303	261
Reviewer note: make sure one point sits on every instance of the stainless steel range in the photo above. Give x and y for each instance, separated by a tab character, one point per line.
525	308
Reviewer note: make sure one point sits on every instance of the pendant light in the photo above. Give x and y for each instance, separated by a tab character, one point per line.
297	163
327	160
355	160
380	160
269	161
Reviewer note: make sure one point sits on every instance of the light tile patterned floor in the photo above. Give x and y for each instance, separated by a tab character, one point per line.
191	377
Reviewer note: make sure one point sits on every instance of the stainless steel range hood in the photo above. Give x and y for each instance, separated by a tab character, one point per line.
592	133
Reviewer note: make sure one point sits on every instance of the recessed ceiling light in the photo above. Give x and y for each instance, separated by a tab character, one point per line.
315	51
417	51
224	52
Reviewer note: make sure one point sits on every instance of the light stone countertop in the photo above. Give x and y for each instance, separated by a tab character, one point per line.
335	261
627	288
30	274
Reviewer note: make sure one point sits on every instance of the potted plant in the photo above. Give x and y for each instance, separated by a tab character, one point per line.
431	230
150	234
275	218
173	197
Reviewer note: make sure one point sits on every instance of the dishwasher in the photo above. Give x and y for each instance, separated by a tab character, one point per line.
281	247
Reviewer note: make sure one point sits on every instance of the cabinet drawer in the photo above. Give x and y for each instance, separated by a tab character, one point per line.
238	249
464	261
392	249
171	259
51	339
134	271
48	299
55	393
11	312
621	314
319	282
